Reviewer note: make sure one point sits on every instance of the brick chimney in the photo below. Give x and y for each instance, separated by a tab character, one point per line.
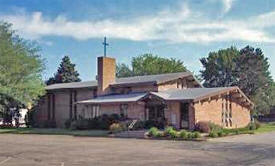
106	74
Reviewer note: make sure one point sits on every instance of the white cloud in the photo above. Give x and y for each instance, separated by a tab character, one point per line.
177	25
227	5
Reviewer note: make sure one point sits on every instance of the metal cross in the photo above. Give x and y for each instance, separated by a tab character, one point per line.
105	44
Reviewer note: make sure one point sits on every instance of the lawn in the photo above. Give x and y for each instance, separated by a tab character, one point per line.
266	127
55	131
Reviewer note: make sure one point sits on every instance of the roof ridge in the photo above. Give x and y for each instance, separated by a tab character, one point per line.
154	75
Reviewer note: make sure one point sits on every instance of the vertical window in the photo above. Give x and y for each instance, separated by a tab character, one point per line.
95	111
75	105
124	110
49	106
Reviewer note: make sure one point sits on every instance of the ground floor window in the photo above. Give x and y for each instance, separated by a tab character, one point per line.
124	110
227	111
95	111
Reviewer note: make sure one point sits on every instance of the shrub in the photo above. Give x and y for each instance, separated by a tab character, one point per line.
73	125
93	123
153	132
154	123
82	124
116	127
170	132
183	134
68	123
220	133
252	126
258	124
213	134
189	135
214	127
196	135
203	127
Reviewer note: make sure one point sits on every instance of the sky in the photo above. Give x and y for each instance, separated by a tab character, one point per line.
183	29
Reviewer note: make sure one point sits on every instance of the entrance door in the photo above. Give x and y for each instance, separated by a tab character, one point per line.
184	115
156	112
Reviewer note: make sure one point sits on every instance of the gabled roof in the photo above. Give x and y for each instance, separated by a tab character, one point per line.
122	98
73	85
127	81
154	79
190	94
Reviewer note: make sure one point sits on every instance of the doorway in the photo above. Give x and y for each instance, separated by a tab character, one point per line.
184	115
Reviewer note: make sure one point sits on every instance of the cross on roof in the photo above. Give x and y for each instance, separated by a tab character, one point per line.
105	44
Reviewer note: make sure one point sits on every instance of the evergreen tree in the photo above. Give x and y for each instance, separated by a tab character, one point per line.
66	73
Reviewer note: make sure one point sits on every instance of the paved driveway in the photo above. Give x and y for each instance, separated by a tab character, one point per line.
38	150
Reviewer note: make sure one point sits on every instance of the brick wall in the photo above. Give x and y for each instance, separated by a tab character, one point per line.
211	110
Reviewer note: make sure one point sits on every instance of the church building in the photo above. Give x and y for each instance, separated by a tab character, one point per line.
176	98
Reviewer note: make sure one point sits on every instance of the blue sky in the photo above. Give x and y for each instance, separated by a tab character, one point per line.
187	30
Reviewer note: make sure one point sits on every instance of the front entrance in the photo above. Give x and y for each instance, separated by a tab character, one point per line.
184	115
156	112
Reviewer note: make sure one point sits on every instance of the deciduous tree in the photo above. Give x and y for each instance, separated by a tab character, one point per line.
149	64
20	69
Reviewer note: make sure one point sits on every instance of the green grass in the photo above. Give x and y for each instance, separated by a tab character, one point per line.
266	127
54	131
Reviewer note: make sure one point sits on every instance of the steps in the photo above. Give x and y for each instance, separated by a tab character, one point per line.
132	134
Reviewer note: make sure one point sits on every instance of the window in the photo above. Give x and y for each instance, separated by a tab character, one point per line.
227	111
124	110
95	111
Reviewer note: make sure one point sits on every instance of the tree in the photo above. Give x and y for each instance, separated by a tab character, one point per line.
66	73
248	69
149	64
252	70
220	68
20	70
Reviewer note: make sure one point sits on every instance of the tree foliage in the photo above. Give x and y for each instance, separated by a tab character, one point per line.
66	73
20	69
149	64
220	68
247	68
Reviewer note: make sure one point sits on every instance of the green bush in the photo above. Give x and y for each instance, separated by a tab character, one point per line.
153	131
213	134
170	132
116	127
189	135
196	135
183	134
214	127
220	133
252	126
